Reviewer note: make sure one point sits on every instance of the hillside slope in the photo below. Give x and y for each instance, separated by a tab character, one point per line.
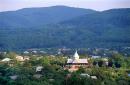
30	17
109	28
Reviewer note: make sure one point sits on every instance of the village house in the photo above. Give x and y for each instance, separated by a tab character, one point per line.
19	58
26	52
75	63
37	76
39	68
6	60
22	58
13	77
94	57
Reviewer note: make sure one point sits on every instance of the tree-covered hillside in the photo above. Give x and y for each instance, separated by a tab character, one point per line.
109	28
33	17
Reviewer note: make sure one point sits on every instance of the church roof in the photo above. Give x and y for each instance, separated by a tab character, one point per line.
77	61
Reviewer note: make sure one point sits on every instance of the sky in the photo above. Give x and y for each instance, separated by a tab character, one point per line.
100	5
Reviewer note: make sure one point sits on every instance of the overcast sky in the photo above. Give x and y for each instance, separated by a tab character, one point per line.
7	5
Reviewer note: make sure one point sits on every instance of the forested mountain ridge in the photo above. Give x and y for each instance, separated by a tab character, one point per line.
116	17
33	17
110	28
111	25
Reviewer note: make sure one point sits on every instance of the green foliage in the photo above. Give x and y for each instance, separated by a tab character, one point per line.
11	55
54	74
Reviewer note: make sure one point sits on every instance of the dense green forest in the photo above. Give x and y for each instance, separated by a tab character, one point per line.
110	28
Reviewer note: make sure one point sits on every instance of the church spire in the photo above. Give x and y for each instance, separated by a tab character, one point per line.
76	56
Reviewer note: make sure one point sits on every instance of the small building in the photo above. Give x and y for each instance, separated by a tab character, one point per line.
43	52
84	75
19	58
74	63
22	58
93	77
39	68
26	52
37	76
94	57
13	77
6	60
105	60
34	51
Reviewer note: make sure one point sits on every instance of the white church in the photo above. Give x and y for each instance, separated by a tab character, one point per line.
74	63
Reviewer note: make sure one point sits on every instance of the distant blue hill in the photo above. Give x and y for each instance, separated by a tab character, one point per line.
29	17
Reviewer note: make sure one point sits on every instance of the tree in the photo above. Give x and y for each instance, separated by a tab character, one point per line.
11	55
